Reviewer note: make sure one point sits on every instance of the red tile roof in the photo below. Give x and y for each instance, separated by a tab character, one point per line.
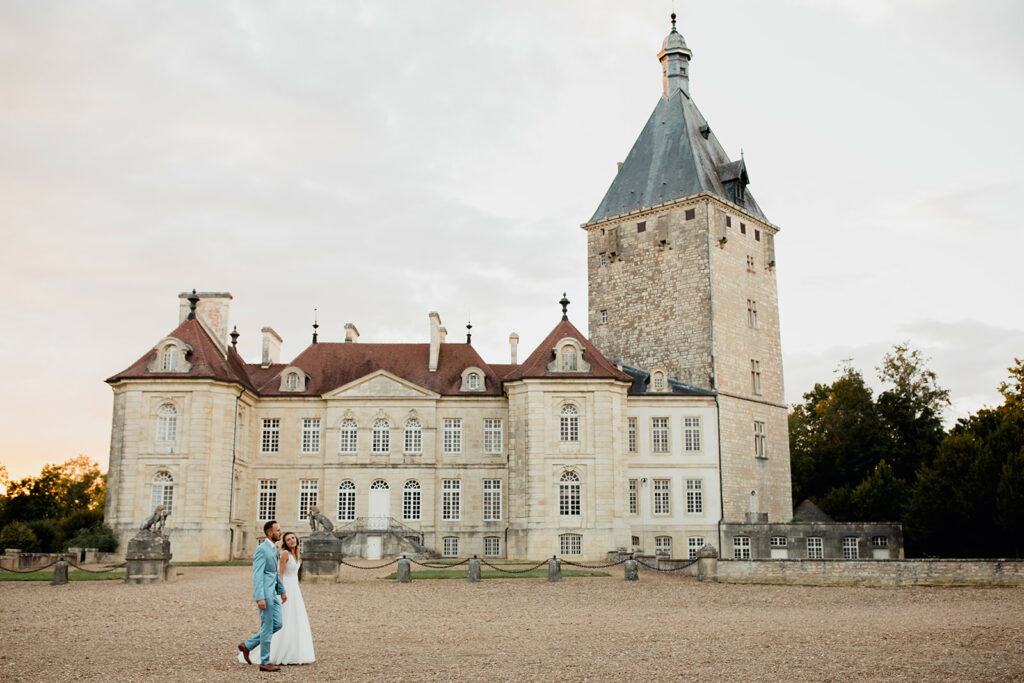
537	363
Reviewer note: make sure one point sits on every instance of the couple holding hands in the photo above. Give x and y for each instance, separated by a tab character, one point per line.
284	636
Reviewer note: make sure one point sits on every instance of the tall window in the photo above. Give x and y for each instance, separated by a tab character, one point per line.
815	550
346	501
662	496
270	439
663	545
473	381
569	425
755	376
691	434
659	434
569	495
759	440
570	544
450	546
170	359
694	496
308	490
268	499
492	546
693	545
311	435
381	442
411	501
347	439
492	500
492	436
568	359
451	500
634	506
167	423
631	434
413	436
451	437
741	548
163	491
850	551
751	313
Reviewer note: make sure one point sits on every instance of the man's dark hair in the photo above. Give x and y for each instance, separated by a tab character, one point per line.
266	527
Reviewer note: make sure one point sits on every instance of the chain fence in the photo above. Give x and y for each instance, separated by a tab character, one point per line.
29	571
667	571
515	571
379	566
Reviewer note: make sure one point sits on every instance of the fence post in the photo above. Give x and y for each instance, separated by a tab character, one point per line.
473	575
554	569
60	573
632	569
404	573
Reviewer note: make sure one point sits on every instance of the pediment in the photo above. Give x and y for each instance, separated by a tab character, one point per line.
381	384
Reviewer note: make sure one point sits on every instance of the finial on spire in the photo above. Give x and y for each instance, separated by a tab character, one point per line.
193	299
315	325
234	338
673	21
565	306
469	335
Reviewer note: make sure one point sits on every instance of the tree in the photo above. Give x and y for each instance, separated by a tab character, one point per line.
911	409
18	535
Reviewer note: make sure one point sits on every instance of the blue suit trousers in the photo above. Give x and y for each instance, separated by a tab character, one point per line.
270	623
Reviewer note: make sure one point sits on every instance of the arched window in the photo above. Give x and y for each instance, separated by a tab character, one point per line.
163	491
292	382
170	359
346	501
568	359
569	425
379	485
413	436
167	423
381	437
411	501
659	381
347	437
569	495
473	381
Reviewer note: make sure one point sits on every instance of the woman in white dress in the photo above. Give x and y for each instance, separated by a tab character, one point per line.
293	644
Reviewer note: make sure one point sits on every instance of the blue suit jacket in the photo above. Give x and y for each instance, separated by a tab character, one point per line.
266	582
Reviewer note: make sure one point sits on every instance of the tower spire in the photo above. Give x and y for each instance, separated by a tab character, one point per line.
675	63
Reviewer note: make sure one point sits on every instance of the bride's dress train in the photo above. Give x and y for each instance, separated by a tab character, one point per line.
293	644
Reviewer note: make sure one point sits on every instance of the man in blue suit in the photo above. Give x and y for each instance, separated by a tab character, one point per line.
266	586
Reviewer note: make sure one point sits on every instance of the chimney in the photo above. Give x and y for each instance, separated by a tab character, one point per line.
211	310
513	340
444	333
351	333
435	339
271	347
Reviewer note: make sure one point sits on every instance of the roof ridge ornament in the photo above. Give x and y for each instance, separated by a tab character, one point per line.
673	22
565	306
469	334
193	299
316	325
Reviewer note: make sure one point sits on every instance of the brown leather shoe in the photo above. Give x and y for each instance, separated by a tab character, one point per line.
245	652
269	667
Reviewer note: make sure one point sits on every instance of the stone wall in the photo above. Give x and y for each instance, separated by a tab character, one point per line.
882	573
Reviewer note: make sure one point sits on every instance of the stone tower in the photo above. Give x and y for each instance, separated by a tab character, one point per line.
681	270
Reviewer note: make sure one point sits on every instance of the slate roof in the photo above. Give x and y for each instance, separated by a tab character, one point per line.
670	160
641	383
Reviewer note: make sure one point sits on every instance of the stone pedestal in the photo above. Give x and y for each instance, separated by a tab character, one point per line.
147	558
707	563
321	558
404	572
60	574
632	570
473	575
554	570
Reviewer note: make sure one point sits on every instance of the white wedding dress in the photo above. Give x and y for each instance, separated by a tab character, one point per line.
293	644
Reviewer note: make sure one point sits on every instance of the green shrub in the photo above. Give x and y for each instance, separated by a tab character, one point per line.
19	535
99	536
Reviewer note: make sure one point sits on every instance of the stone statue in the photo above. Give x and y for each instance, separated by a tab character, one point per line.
155	523
318	521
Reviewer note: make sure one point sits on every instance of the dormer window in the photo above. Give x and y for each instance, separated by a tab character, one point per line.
170	356
292	382
567	356
473	379
293	379
170	360
569	359
659	380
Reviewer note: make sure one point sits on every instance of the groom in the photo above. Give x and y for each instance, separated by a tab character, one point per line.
266	586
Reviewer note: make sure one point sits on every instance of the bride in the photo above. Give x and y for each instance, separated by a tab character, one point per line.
293	644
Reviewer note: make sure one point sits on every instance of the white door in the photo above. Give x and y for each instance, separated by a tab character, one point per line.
379	505
373	547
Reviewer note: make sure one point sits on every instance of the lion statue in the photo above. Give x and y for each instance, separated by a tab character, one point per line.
155	522
318	521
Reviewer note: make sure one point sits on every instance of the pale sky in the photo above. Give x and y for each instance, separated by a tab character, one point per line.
379	160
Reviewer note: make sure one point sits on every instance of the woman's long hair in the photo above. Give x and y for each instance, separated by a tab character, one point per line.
284	544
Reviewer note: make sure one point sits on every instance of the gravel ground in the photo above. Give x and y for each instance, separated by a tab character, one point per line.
580	629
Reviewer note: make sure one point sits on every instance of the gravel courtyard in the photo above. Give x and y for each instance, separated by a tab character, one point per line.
663	627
